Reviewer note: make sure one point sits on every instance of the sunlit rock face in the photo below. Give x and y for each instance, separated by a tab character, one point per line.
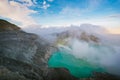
6	26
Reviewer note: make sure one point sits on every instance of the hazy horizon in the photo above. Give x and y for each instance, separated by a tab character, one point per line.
62	13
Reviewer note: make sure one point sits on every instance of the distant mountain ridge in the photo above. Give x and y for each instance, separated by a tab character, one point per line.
50	30
51	33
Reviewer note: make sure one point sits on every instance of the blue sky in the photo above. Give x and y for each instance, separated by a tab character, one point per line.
61	12
65	12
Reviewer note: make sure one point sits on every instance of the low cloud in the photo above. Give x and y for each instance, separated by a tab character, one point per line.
70	12
93	4
115	16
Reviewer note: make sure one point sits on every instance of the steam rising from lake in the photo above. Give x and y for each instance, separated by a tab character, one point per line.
106	56
86	57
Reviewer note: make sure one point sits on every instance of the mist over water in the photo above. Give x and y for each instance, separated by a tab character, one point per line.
83	58
86	58
105	56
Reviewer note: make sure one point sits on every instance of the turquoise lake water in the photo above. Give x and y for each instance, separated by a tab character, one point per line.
77	67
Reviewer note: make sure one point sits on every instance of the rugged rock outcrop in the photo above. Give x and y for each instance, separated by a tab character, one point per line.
19	45
20	51
24	56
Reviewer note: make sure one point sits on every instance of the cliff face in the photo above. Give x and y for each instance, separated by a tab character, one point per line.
22	46
24	56
17	45
19	51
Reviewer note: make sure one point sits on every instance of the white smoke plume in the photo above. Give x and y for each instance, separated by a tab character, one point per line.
106	54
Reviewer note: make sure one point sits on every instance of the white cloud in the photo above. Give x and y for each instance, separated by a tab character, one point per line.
26	2
16	11
34	1
70	12
45	5
92	5
114	16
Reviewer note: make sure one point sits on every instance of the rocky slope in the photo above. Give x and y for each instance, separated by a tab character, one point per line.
24	56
